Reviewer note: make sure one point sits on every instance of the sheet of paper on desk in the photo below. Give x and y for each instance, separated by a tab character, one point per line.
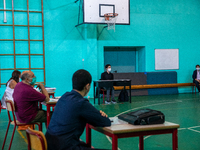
54	99
115	120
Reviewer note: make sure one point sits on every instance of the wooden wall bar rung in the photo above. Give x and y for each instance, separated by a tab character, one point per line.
21	68
19	54
20	10
18	40
20	25
13	25
5	83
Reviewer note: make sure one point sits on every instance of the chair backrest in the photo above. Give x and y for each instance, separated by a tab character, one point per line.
36	140
10	105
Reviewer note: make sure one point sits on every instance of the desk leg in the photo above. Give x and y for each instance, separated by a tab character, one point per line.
130	92
141	143
40	106
88	135
48	115
94	92
175	139
114	142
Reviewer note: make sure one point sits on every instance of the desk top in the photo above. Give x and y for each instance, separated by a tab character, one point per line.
115	80
119	126
52	101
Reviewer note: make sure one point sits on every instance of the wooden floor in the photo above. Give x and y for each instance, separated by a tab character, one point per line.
183	109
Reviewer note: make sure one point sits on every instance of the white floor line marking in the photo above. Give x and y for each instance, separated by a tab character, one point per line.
148	106
182	128
194	130
194	127
111	141
177	101
142	107
144	139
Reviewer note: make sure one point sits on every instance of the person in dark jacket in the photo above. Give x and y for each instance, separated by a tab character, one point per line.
107	75
196	77
71	114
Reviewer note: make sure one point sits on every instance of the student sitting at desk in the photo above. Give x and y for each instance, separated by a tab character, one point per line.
71	114
107	75
26	99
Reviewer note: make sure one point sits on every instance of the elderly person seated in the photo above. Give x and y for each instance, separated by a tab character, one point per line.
26	99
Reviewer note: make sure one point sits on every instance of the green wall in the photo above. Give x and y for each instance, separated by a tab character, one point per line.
153	24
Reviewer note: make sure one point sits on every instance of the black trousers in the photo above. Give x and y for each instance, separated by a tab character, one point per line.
197	85
84	146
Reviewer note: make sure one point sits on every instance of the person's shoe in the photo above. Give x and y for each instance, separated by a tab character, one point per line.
114	101
107	102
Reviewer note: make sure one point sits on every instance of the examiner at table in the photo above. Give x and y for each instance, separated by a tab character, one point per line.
71	114
107	75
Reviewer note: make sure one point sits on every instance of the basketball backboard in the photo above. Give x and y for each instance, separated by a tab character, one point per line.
94	10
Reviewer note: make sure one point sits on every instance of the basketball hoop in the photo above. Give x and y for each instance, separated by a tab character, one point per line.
110	19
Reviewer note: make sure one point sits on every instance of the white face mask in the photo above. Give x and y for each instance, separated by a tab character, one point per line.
109	69
198	68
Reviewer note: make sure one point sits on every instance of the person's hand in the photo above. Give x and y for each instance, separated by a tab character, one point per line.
40	85
103	114
197	80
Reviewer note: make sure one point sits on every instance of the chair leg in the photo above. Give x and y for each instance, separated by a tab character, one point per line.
6	135
103	97
29	142
12	137
40	126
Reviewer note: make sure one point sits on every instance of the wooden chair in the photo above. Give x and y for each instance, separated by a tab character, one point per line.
36	140
11	109
1	107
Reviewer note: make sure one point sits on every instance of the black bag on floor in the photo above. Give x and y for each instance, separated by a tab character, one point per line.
143	117
123	96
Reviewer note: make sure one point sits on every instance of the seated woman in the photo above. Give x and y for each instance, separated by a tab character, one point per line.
10	85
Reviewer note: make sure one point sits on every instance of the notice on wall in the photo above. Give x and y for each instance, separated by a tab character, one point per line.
166	59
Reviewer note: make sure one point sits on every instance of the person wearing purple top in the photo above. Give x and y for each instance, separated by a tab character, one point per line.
71	114
26	99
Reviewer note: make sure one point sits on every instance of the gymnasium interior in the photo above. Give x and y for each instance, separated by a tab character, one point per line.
151	42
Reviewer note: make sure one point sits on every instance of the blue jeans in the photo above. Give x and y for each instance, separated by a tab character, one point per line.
197	85
108	94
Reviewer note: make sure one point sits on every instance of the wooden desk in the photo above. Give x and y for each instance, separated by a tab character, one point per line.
51	94
51	103
120	129
110	84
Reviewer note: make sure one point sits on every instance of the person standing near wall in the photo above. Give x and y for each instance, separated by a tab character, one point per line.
196	77
107	75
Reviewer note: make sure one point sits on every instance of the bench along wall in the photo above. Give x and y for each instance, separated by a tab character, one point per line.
145	78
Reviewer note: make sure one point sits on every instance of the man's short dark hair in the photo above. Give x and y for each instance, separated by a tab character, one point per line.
80	79
107	65
197	66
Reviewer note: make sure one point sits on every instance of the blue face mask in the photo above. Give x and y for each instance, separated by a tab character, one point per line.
33	81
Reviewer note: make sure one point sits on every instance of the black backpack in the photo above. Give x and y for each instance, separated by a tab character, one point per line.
123	96
143	117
